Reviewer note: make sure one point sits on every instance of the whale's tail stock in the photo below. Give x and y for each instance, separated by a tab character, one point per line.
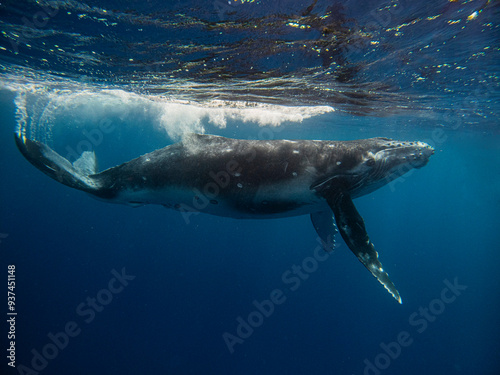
76	175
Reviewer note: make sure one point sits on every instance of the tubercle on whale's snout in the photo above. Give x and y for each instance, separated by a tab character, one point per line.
414	154
421	156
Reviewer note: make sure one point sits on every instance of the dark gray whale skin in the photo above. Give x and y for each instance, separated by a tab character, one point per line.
251	179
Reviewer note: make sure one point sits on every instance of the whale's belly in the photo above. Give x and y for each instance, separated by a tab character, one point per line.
243	202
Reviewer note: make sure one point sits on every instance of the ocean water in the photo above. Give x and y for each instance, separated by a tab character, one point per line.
110	289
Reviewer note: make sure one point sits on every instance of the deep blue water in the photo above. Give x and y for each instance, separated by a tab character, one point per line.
189	284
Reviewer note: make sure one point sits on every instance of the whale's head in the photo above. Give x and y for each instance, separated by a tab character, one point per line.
381	160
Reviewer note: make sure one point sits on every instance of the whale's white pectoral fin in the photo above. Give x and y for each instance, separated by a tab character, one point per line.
352	229
326	229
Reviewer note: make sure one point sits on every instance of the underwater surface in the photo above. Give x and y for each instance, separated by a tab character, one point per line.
110	289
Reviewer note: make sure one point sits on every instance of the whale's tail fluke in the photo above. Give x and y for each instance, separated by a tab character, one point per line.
77	175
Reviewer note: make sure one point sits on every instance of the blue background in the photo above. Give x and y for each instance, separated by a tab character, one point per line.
193	281
424	70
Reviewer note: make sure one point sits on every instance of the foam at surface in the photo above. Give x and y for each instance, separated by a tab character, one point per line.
40	108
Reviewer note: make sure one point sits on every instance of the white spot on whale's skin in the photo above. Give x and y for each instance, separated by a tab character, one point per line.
296	151
237	174
239	184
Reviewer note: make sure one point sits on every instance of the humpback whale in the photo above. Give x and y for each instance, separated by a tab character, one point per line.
251	179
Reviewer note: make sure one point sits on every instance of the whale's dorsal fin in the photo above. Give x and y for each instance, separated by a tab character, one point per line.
352	228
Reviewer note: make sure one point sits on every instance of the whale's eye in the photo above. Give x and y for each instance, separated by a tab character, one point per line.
370	162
